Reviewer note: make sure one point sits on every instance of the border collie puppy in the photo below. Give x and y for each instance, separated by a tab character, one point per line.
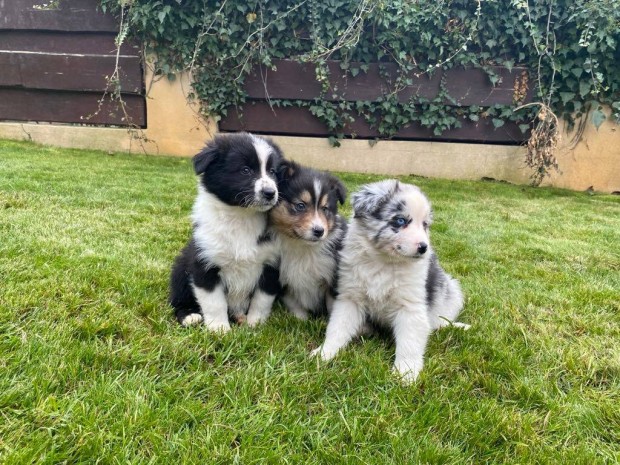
229	266
309	233
389	275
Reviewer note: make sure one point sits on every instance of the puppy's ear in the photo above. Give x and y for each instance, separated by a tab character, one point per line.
371	197
338	188
214	149
287	170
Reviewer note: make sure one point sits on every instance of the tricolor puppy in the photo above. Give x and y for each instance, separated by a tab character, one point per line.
309	232
229	266
389	275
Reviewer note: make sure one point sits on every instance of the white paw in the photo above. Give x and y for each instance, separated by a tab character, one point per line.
254	319
217	326
300	314
408	371
316	352
191	319
408	377
324	354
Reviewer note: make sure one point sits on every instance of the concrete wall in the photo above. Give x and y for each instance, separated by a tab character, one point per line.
591	162
174	127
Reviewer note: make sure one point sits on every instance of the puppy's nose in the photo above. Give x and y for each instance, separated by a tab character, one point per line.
422	248
318	231
269	193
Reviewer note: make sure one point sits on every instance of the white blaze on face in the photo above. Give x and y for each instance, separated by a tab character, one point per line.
318	221
418	210
263	151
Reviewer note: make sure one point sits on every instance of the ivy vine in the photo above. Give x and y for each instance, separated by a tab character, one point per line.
571	47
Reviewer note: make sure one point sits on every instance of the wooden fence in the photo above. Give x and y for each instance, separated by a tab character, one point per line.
55	60
295	81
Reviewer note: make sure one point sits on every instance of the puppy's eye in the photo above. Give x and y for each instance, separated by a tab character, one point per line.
425	224
325	209
272	171
246	170
400	221
300	207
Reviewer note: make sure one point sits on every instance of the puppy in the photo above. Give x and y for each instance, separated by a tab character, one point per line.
229	266
309	232
389	275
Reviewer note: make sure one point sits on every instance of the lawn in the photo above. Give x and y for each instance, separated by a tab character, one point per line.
93	367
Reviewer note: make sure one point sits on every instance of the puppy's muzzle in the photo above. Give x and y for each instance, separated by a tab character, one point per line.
268	193
317	231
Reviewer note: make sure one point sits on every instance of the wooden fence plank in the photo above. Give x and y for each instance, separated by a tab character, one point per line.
293	80
68	107
99	43
259	117
35	70
69	15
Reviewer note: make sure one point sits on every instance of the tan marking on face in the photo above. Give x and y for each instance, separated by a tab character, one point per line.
282	219
299	225
323	201
306	197
306	223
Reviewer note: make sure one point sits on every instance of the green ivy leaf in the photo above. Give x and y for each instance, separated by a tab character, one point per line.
584	88
598	117
567	97
524	128
497	123
333	141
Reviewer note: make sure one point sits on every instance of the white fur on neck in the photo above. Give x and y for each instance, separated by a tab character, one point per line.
227	237
307	269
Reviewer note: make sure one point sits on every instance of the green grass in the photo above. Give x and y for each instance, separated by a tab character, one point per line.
94	368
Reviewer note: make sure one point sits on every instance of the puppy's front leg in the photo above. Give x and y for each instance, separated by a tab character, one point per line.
293	306
411	331
344	324
210	294
329	301
262	300
213	307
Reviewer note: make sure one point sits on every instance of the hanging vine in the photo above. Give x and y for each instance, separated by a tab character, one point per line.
570	47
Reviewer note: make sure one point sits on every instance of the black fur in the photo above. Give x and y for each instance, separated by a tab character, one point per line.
269	281
186	266
295	178
228	168
435	279
336	249
222	162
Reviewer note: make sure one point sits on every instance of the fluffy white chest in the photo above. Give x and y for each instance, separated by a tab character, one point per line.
381	287
307	270
228	238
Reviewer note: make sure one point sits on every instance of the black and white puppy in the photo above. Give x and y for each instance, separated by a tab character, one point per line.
389	274
309	233
229	266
